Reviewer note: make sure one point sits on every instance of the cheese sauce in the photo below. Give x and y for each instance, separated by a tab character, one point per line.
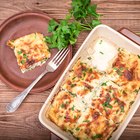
103	54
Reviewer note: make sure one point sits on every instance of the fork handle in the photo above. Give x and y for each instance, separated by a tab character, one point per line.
16	102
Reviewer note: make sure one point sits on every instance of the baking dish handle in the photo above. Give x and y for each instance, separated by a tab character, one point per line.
130	35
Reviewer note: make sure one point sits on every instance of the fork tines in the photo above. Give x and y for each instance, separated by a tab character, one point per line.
60	56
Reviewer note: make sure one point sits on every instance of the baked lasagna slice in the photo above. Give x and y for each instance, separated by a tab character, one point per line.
71	114
30	51
113	102
126	70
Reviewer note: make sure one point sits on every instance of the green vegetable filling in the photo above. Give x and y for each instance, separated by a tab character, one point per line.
97	136
19	52
22	61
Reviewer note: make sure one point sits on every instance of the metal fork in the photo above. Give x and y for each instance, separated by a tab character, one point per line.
51	67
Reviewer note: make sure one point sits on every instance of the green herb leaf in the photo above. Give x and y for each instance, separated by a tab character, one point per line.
97	136
72	108
139	56
77	129
22	61
131	102
104	84
19	52
95	23
100	41
75	117
62	105
119	70
73	78
86	121
122	108
89	58
73	94
66	32
25	56
73	85
90	70
101	53
117	111
52	25
136	90
106	104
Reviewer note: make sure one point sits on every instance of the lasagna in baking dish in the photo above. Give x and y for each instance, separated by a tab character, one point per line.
30	51
93	101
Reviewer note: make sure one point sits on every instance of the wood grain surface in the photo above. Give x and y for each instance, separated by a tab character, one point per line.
24	123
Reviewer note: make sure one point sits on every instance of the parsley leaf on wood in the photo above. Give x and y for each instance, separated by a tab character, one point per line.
63	34
82	16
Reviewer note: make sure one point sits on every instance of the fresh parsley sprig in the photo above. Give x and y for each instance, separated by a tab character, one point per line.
66	31
63	33
85	13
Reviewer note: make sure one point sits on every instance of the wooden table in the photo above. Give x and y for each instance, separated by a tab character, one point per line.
24	123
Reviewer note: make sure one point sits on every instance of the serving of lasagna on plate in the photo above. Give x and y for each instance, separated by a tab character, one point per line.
96	97
30	51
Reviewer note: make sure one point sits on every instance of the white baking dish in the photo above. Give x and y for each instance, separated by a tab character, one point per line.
119	41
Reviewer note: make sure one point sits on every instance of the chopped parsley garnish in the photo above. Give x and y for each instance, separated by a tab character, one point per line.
139	56
67	102
73	85
73	94
104	84
131	102
46	59
19	52
119	73
62	105
100	41
84	73
110	91
115	101
72	108
22	61
115	68
77	129
35	35
106	104
101	53
83	101
89	58
122	108
90	70
117	111
136	90
86	121
24	56
119	49
97	136
119	70
73	78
